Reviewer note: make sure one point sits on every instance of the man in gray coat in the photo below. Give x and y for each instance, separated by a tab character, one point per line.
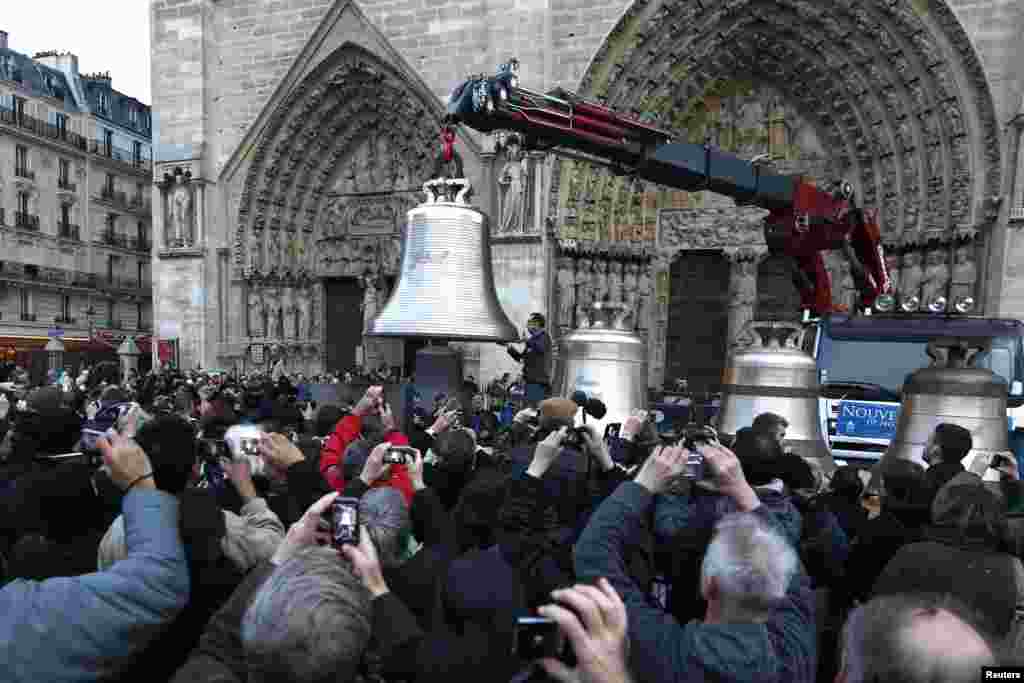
85	628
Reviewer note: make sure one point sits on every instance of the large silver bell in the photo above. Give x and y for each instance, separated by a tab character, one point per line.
951	391
768	372
607	362
446	288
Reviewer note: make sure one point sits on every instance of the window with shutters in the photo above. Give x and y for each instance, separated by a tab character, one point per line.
21	160
64	173
25	303
65	307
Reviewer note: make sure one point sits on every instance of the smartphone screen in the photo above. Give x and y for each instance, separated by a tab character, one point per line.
345	521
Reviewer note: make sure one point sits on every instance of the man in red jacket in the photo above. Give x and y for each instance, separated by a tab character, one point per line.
349	429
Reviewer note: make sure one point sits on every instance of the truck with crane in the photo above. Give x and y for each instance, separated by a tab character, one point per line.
863	355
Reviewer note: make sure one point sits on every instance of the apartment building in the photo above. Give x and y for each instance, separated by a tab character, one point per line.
75	205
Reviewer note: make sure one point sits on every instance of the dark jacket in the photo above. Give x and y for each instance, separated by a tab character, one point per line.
898	524
940	474
535	357
87	627
982	577
662	649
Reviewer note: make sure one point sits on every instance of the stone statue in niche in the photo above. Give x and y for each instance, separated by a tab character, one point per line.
565	284
584	291
911	276
630	284
256	253
601	281
274	249
965	273
273	315
513	179
892	264
393	255
371	297
179	232
288	312
645	294
936	276
314	312
257	322
742	295
615	279
303	306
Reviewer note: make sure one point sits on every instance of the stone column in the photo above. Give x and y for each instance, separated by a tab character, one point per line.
658	300
743	264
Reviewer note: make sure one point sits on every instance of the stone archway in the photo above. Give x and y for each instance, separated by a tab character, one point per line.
888	94
325	196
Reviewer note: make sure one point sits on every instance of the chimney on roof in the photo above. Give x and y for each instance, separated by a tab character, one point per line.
3	40
61	61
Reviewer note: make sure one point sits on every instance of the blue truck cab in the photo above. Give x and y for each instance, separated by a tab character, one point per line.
863	362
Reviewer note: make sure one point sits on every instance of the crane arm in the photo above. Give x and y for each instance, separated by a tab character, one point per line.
803	220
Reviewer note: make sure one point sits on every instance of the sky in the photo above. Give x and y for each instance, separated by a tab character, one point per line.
107	35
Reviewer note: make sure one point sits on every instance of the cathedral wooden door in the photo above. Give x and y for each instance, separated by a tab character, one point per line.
698	320
343	329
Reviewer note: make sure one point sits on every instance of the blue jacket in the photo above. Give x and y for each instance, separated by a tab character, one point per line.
674	513
84	628
662	649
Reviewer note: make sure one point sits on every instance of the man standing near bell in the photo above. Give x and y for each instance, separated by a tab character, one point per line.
536	359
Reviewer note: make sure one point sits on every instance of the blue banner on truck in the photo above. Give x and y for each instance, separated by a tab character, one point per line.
867	420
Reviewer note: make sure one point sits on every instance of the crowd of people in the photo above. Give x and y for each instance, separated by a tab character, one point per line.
142	539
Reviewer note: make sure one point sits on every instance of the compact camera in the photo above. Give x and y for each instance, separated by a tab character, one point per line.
399	455
345	522
537	638
575	438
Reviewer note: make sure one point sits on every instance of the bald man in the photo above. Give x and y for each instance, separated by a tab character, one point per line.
914	639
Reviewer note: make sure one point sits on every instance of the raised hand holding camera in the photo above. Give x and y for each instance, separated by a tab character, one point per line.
546	452
376	468
596	625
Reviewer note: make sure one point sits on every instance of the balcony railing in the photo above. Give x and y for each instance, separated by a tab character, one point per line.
1017	213
26	221
112	239
65	184
122	155
61	320
42	128
25	173
135	204
68	231
141	204
28	317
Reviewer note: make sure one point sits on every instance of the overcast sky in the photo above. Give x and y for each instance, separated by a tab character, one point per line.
107	35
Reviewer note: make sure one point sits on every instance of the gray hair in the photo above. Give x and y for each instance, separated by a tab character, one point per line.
309	623
878	642
752	566
384	513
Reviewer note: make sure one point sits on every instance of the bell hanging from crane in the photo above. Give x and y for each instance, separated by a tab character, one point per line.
445	289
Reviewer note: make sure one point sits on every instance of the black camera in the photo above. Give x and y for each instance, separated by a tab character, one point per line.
399	455
698	436
576	438
537	638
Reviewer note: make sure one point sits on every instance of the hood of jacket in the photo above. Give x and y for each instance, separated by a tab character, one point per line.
731	652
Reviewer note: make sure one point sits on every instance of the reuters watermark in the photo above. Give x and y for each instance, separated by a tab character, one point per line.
1002	673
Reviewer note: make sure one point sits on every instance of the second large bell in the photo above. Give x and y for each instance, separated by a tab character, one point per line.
446	287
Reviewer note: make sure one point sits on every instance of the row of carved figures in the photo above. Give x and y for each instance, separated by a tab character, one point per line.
580	282
286	313
355	258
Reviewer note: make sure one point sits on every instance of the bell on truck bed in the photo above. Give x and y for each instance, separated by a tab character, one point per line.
607	362
445	289
768	372
950	391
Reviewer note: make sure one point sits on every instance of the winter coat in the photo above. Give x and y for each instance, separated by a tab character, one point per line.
664	650
89	627
333	455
